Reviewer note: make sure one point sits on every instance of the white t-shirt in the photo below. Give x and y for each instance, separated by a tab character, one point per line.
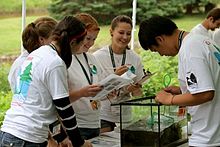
85	115
216	36
200	29
15	69
43	77
108	112
199	69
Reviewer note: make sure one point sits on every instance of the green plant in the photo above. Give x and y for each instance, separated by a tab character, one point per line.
161	66
5	100
5	93
4	70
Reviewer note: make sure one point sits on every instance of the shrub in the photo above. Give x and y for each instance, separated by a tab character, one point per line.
162	66
5	101
4	70
5	93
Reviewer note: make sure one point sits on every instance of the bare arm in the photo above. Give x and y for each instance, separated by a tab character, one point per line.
87	91
184	99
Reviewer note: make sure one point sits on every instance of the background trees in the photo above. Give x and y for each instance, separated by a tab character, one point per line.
104	11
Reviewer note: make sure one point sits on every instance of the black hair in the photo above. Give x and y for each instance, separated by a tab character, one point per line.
153	27
215	13
67	29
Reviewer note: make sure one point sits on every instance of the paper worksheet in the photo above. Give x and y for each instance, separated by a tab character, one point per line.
113	82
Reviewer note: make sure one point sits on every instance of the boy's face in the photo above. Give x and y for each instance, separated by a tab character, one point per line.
166	46
214	24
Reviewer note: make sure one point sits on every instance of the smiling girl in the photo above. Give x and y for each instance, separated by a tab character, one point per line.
118	58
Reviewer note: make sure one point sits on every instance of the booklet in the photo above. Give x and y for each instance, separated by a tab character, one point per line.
113	82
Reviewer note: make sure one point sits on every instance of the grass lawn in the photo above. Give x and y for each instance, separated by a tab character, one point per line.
10	6
10	35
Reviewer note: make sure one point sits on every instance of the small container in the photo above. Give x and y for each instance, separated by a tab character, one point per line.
152	124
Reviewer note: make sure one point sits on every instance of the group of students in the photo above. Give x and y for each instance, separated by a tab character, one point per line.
55	78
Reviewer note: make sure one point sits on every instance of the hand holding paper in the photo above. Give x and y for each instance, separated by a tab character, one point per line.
113	82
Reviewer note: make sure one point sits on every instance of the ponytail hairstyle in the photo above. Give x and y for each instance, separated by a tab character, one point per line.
41	27
67	29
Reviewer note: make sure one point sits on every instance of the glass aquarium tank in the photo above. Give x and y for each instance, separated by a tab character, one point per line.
152	124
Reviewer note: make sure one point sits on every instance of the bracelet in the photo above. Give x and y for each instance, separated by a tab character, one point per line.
172	100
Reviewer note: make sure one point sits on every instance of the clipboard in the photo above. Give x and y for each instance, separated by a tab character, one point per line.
145	78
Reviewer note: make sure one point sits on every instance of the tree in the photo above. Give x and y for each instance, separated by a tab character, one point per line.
104	11
199	5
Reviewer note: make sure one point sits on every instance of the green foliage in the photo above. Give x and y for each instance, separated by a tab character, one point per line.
5	101
4	70
104	11
5	93
161	66
146	9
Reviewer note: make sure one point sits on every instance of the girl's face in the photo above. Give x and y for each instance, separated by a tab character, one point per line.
121	35
89	40
166	46
75	47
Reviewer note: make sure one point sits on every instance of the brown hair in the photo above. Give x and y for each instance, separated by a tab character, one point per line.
215	13
89	21
119	19
41	27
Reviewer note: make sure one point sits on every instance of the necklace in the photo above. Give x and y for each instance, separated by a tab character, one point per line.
180	38
54	48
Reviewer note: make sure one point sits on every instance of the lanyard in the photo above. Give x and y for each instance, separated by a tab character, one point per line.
90	80
53	47
180	38
113	60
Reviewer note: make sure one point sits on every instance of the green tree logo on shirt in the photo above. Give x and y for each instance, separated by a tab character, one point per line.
23	84
26	74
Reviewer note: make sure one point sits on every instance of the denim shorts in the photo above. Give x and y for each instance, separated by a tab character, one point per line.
8	140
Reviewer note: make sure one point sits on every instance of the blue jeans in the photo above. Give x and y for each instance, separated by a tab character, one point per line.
8	140
88	133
